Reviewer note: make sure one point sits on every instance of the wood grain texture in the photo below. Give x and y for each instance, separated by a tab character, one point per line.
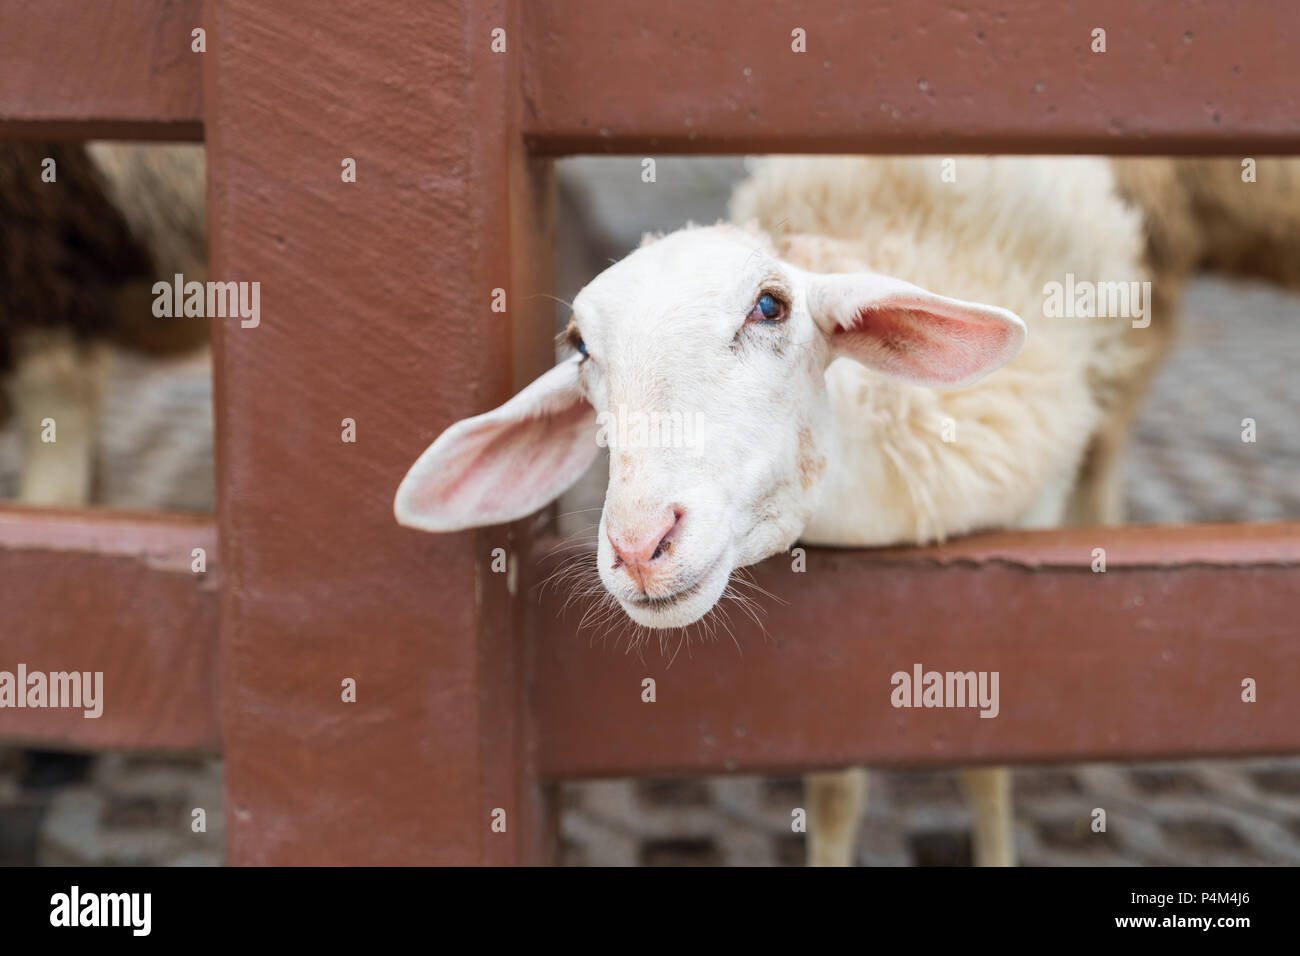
376	306
1143	661
680	76
113	592
110	68
901	76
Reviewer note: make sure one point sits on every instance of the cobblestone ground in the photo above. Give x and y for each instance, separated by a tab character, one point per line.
1190	814
110	810
1237	358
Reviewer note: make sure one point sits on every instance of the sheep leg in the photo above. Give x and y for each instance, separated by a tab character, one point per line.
56	388
1097	498
835	802
989	791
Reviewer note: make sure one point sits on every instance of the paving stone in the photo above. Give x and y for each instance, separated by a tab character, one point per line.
20	832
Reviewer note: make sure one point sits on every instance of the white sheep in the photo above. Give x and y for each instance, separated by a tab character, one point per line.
836	349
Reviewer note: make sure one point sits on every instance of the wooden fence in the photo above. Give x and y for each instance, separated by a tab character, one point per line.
472	696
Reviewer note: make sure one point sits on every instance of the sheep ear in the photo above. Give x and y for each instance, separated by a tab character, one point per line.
904	331
504	464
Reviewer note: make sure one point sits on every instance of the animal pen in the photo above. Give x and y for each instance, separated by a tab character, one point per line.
473	693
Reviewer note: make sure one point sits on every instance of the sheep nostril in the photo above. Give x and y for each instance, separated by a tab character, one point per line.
635	553
665	545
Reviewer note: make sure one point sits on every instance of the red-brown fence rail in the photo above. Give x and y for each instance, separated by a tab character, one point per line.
376	300
1144	659
900	76
117	69
114	593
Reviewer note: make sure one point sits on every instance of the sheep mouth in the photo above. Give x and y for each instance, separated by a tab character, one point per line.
672	600
648	603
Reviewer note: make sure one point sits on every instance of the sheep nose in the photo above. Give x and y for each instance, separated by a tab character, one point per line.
638	549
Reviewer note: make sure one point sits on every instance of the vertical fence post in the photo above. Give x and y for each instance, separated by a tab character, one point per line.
375	308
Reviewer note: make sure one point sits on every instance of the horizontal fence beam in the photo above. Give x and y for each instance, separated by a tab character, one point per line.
113	593
86	69
678	76
1145	659
904	76
1142	660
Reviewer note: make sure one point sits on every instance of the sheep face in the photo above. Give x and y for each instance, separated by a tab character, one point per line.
699	361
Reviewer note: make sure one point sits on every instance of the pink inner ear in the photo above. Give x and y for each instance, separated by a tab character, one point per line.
915	342
511	460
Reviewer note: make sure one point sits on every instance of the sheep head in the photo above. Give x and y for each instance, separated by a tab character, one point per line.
699	360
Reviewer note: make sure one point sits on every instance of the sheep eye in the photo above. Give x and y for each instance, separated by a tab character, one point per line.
768	310
574	338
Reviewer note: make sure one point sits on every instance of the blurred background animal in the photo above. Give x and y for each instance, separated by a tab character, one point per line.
85	231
